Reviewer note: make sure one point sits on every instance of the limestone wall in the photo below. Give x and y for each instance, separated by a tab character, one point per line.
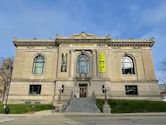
53	77
19	92
23	63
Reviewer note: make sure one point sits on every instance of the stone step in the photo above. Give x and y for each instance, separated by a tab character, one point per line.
82	105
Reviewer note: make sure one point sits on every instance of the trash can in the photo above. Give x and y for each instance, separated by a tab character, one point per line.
6	110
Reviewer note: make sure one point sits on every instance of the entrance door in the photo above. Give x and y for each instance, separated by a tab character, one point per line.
83	90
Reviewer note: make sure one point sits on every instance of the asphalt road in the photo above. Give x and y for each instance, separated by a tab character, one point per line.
83	120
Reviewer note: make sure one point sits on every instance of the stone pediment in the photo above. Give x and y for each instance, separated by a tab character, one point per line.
83	35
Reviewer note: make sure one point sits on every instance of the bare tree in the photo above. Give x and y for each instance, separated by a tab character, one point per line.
1	62
162	77
6	67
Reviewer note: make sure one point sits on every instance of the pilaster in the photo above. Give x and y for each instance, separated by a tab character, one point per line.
94	63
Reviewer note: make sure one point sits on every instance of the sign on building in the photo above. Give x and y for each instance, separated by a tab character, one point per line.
102	62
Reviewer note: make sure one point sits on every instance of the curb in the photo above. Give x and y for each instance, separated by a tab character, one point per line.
70	114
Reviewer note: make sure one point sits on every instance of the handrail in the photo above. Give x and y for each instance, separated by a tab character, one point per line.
94	100
69	102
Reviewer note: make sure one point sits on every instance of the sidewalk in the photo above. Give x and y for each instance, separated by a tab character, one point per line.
100	114
49	112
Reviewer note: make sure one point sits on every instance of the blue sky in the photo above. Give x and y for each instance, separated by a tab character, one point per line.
44	19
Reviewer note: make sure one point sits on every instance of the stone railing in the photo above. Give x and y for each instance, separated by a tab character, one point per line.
93	97
69	102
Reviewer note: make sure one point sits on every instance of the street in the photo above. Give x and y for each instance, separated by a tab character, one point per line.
83	120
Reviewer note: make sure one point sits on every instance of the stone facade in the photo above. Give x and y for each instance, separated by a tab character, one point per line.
83	64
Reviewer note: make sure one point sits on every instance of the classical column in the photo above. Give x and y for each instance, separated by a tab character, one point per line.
94	63
97	64
58	62
69	63
71	68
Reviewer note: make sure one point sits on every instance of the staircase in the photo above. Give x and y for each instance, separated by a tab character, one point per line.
82	105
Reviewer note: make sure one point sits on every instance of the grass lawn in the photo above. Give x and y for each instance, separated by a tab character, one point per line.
117	106
133	106
25	108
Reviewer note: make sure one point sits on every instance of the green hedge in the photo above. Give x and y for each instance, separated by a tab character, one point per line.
25	108
133	106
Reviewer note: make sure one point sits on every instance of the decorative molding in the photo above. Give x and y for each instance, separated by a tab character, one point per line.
82	41
30	47
116	47
32	80
136	47
83	35
132	44
85	38
34	42
50	47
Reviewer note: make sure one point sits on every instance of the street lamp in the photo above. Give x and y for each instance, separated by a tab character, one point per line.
106	108
59	107
60	89
105	92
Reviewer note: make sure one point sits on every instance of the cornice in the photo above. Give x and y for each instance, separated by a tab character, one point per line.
33	80
109	42
34	43
84	38
124	44
82	41
33	40
136	81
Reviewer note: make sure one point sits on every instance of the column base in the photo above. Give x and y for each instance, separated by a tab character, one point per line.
106	108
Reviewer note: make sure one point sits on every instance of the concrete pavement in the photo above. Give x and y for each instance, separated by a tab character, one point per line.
49	112
49	118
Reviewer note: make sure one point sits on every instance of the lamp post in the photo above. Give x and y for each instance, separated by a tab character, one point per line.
60	92
106	107
59	105
105	92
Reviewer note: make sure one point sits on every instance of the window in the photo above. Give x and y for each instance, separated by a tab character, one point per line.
83	64
38	65
34	89
131	90
127	65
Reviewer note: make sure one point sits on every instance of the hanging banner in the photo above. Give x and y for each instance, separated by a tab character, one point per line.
102	62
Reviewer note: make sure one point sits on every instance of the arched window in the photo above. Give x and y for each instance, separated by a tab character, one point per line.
38	64
83	64
127	65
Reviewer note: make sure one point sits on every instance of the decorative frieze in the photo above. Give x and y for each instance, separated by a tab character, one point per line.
86	39
33	43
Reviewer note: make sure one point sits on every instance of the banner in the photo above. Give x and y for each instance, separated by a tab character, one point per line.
102	62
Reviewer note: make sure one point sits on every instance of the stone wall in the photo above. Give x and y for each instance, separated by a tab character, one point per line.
53	76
